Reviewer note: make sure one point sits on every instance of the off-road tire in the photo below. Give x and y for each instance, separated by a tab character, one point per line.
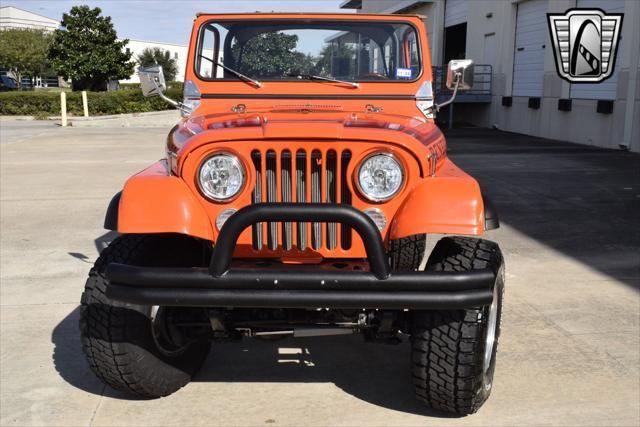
448	346
407	253
117	338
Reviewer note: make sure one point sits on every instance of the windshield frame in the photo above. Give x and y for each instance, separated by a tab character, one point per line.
201	33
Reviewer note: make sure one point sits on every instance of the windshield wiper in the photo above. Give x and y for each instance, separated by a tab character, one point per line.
234	72
326	79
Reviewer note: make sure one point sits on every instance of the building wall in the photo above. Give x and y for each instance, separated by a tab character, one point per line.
178	52
497	18
13	17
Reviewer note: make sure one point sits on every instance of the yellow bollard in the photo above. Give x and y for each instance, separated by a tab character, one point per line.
85	104
63	108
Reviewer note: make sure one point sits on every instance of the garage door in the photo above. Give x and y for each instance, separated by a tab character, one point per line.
528	60
455	12
608	88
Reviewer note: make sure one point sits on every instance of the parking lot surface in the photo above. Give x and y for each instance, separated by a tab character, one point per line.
12	131
570	345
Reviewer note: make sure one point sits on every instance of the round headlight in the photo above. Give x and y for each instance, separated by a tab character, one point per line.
221	177
380	177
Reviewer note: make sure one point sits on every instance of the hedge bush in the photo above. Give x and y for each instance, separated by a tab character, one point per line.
42	104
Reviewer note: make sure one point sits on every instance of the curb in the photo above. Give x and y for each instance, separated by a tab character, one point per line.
148	119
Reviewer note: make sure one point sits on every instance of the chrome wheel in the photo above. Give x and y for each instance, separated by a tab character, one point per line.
492	323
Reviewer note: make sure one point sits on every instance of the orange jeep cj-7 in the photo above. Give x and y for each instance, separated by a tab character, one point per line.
294	200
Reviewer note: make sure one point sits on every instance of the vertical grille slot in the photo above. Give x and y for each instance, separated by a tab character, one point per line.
306	177
345	198
272	195
301	196
316	195
256	197
285	179
331	164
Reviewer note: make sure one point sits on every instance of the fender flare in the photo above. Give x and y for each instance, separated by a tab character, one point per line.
447	205
491	218
154	202
111	217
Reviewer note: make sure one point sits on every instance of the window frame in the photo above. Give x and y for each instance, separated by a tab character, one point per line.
204	25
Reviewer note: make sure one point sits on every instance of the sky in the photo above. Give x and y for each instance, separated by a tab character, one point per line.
168	21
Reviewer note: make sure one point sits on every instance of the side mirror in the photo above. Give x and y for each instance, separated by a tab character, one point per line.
459	77
152	83
460	71
152	80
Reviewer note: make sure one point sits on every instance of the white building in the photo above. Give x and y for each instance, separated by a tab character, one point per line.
13	17
177	51
526	94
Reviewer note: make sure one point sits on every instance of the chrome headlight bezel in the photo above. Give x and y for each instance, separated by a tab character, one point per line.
372	198
236	161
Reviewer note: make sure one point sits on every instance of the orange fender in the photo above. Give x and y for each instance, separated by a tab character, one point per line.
450	203
154	202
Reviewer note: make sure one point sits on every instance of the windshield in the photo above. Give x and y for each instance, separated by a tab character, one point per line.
290	50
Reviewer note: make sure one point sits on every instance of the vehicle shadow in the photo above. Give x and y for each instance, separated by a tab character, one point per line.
578	200
68	359
375	373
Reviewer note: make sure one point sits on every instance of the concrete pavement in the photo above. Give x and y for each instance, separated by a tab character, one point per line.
12	131
569	351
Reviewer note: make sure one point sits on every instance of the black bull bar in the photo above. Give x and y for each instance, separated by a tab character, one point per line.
293	287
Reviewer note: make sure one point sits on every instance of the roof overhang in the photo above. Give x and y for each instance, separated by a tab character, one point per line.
401	6
351	4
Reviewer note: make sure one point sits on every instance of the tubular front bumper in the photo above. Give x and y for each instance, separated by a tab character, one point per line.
219	286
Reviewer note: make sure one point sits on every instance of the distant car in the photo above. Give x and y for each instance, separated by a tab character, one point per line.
7	84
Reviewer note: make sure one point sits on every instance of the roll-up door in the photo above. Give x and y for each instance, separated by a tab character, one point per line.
455	12
608	88
528	61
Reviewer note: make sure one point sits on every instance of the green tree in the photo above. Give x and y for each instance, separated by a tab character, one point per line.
156	55
270	55
87	50
23	52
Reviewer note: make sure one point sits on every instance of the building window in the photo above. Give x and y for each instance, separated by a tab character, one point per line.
175	55
128	51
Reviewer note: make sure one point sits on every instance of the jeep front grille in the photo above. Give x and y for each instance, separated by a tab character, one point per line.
315	176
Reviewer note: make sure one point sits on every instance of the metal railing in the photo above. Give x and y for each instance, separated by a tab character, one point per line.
47	82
